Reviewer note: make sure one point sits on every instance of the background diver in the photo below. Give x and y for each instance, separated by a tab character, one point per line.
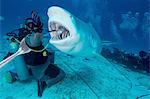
135	62
40	65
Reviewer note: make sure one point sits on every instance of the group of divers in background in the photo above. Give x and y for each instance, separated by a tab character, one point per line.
140	62
41	65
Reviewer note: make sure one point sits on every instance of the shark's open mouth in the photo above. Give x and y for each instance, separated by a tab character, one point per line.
58	31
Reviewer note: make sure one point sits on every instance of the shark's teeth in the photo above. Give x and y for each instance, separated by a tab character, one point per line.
53	26
57	26
59	37
68	34
63	35
58	31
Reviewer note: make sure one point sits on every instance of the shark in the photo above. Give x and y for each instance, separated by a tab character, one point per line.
71	35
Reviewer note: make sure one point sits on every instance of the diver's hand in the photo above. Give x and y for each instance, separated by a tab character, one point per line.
34	40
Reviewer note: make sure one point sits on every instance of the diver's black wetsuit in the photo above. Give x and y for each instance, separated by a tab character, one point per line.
35	58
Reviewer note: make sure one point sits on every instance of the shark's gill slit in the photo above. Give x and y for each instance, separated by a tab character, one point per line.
58	31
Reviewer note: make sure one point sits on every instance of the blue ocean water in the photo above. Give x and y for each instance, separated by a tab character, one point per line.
98	12
124	23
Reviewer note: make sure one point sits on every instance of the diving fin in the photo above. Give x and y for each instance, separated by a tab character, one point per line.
10	77
41	86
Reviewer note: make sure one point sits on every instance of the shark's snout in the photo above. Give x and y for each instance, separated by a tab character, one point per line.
70	34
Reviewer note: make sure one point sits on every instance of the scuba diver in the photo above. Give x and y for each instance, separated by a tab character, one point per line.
38	63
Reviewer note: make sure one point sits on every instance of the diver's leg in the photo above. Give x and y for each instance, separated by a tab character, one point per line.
53	75
21	68
38	70
38	73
